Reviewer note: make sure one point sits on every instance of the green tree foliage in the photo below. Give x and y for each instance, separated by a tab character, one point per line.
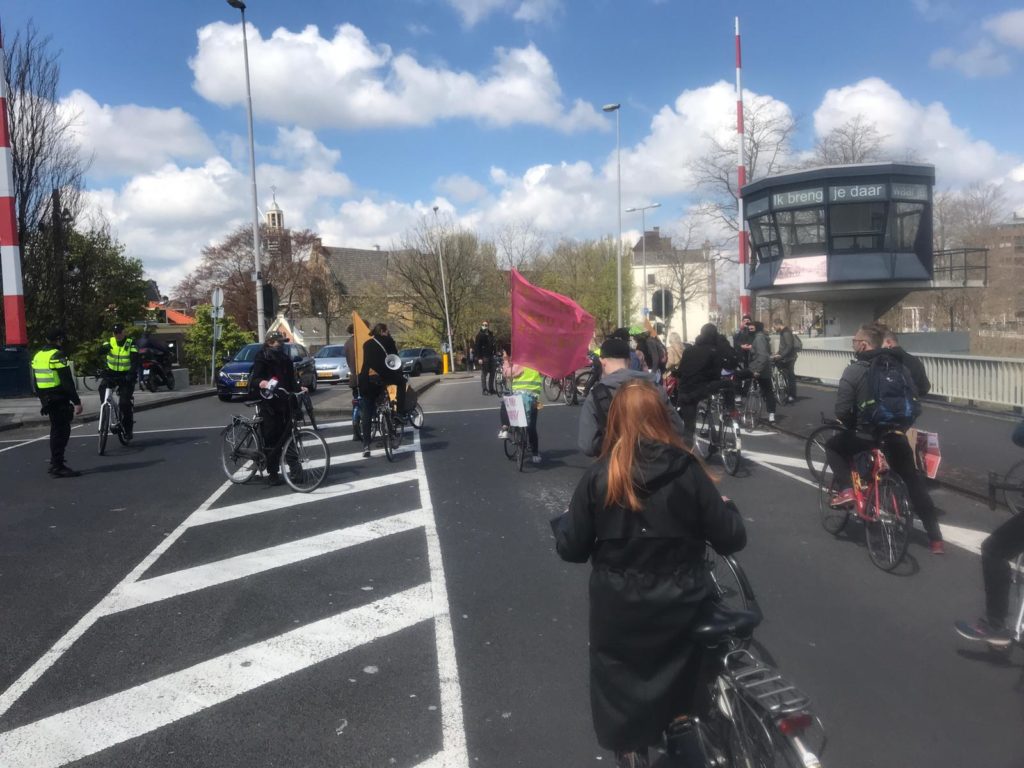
85	289
199	343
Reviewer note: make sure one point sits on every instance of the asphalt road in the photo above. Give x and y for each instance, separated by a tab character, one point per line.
414	613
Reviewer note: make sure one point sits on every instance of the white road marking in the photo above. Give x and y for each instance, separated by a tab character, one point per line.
779	461
496	407
781	471
90	728
188	580
453	728
273	503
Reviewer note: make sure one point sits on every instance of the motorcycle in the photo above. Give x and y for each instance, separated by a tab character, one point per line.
155	371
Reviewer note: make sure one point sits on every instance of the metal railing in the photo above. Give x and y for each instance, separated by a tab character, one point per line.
961	267
995	380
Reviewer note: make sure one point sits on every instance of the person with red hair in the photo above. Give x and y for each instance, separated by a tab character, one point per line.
642	514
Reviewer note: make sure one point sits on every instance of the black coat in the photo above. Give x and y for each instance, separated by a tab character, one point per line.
484	345
375	350
646	588
270	363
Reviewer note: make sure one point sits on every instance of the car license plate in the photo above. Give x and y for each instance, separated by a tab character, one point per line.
323	374
241	384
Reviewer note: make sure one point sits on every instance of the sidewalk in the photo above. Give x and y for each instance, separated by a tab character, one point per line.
18	412
972	442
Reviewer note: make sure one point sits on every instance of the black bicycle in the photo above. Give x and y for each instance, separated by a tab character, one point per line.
303	450
756	717
718	429
814	446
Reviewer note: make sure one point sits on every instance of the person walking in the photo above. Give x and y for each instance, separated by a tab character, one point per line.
641	515
58	396
485	351
122	362
761	366
785	360
273	370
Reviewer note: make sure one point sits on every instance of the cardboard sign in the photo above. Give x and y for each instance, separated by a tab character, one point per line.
927	453
516	409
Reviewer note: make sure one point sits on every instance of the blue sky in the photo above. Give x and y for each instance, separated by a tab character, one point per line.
369	113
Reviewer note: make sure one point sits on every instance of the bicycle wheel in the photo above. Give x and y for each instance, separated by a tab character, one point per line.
552	389
583	384
308	460
509	444
387	427
397	430
91	383
520	438
725	583
731	445
779	385
814	449
703	438
750	742
104	426
569	389
887	532
833	519
239	452
416	417
1015	497
753	409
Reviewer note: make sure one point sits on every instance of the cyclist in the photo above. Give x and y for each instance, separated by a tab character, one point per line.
642	514
273	370
375	376
615	372
785	360
760	366
1004	544
528	383
122	364
698	372
855	407
485	351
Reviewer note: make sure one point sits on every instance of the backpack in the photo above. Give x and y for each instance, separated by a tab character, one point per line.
892	398
602	395
798	346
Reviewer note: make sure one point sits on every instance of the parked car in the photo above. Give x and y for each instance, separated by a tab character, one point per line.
233	379
331	365
416	360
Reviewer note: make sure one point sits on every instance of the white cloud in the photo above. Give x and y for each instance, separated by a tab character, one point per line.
128	139
926	130
982	60
461	188
530	11
1007	28
302	78
538	11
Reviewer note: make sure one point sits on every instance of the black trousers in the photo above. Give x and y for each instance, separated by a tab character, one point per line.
368	394
487	375
61	413
841	448
276	420
764	382
1003	544
789	374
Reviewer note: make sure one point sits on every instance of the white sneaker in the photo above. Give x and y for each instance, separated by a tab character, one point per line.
771	418
535	459
503	434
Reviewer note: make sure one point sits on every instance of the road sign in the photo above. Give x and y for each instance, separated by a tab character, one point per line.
217	313
216	332
218	297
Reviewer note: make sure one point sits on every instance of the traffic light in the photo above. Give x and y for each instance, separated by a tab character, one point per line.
661	303
269	301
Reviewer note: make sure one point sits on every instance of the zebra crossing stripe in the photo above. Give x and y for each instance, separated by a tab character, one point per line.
200	577
287	501
90	728
779	461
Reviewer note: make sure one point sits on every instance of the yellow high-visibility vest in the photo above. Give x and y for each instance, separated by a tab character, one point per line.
528	381
119	358
45	366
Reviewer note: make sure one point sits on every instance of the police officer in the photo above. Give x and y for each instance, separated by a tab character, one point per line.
122	363
55	386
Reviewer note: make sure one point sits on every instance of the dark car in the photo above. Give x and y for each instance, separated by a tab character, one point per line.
233	379
416	360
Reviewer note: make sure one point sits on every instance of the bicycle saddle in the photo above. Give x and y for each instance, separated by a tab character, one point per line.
718	622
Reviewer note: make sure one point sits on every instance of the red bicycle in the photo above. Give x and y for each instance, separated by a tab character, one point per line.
882	503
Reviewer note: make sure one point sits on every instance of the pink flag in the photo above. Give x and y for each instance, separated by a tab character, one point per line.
550	332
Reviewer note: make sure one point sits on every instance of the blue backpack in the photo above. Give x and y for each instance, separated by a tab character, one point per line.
892	397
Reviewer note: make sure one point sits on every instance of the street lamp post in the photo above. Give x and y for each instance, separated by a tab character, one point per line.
618	206
643	242
261	323
444	293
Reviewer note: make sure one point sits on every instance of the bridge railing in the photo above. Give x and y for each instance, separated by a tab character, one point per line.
995	380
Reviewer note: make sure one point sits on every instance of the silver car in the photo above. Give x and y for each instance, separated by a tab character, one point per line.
331	365
416	360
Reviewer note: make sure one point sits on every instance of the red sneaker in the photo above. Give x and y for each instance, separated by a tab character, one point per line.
843	498
937	548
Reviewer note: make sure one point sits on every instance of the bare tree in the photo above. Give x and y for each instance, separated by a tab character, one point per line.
855	141
687	270
768	133
519	245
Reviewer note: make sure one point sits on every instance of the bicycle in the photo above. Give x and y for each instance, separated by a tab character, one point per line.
752	411
1011	485
779	386
576	386
881	501
553	387
814	446
517	442
756	717
718	429
243	452
387	423
109	420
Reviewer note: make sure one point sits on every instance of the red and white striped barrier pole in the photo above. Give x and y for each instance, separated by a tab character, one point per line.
741	177
10	253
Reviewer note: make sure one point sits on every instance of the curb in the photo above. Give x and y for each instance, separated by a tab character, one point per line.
37	421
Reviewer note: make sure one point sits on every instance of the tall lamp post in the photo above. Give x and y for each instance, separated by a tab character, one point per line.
618	206
261	322
643	242
444	293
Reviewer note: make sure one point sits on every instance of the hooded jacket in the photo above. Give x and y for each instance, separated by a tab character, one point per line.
701	364
647	586
760	353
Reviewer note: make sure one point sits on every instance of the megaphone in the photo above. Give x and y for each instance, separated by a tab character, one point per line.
393	362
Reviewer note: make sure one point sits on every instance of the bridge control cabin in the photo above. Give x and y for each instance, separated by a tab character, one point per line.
857	238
